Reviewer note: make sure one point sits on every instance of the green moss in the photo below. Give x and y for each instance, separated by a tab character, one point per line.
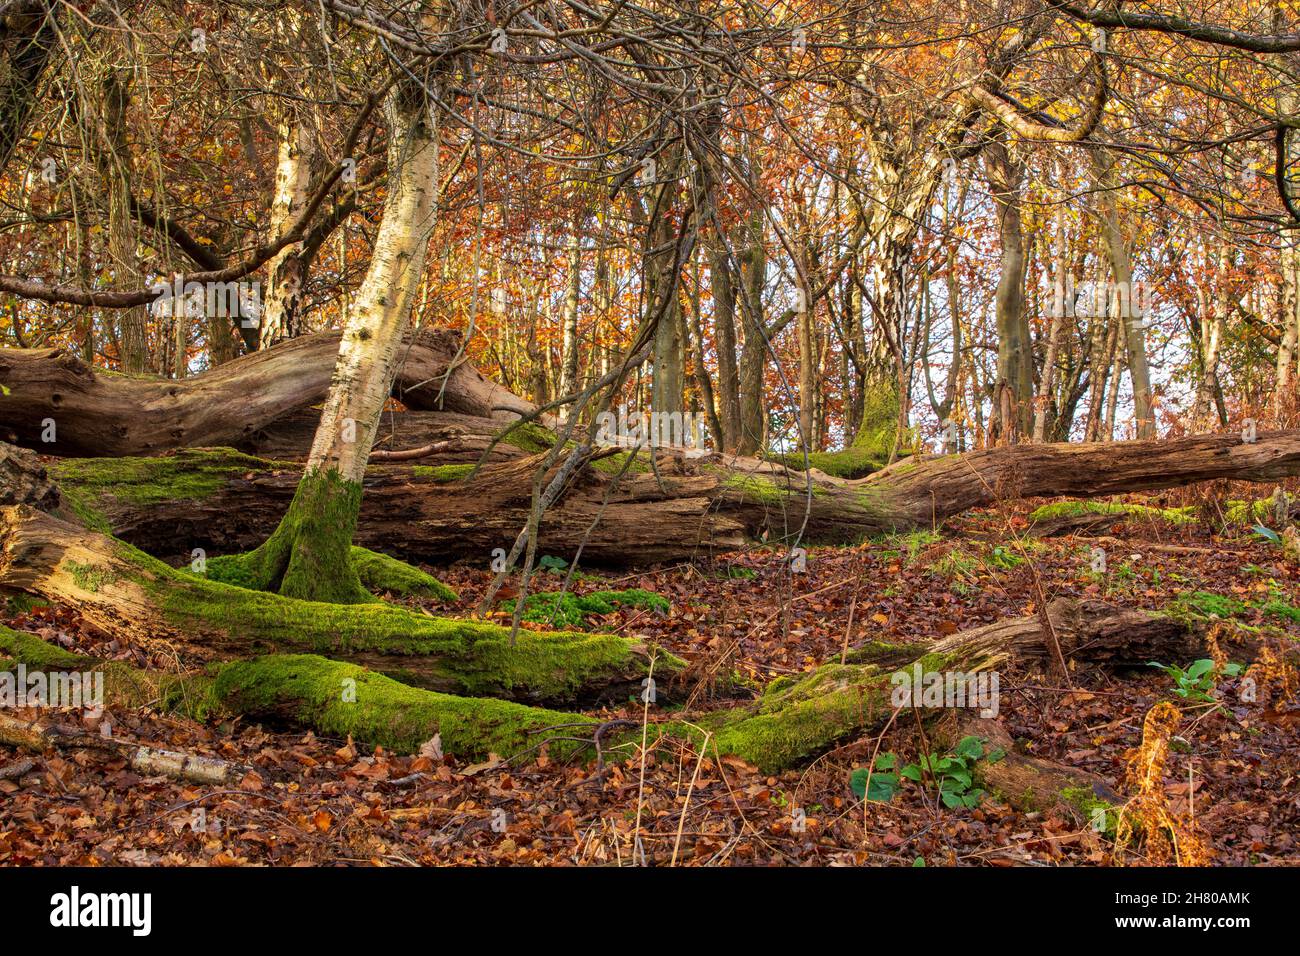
308	556
881	653
1091	807
330	697
1277	607
912	542
124	686
613	465
34	652
377	572
528	437
798	718
565	609
1202	604
1077	509
90	485
443	474
764	490
88	577
22	604
381	574
851	462
341	699
879	426
1261	510
470	657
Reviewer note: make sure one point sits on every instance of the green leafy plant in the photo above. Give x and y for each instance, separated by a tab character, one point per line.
950	774
549	562
1198	680
1004	558
1268	534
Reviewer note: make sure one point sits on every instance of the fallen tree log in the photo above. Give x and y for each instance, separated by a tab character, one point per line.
97	413
229	503
125	592
794	719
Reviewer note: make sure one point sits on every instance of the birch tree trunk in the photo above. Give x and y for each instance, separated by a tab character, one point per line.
280	309
307	556
1047	383
1211	336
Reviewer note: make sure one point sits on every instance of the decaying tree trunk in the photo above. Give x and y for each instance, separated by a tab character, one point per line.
124	592
95	413
148	761
433	511
25	481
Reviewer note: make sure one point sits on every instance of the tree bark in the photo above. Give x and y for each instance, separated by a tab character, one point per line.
1133	322
307	554
1015	346
280	317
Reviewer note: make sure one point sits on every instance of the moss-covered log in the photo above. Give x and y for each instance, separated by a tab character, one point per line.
96	413
124	591
229	503
794	719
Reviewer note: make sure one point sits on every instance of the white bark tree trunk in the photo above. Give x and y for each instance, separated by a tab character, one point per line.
308	555
280	306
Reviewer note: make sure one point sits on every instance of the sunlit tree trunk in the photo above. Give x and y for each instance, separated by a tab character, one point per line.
307	556
282	302
1015	356
1289	319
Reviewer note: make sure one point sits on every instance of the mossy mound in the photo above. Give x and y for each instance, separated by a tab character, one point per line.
1120	509
564	609
851	462
382	574
347	700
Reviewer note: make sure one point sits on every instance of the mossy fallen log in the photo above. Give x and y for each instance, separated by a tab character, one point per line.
125	592
228	503
795	718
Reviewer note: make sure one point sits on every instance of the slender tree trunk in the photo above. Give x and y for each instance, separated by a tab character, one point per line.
1015	356
754	354
1289	319
1211	336
1133	322
308	555
113	166
282	303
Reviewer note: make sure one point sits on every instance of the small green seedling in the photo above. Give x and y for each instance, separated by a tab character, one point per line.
1198	680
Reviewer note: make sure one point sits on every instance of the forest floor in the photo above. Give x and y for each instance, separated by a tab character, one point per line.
316	801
